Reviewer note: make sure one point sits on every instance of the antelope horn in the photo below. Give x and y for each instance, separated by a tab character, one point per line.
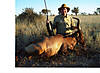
78	22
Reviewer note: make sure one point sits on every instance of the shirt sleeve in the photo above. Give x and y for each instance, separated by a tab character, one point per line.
54	25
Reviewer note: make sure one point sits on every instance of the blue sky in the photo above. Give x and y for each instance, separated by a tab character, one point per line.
88	6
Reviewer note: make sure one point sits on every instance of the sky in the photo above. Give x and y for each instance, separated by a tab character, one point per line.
88	6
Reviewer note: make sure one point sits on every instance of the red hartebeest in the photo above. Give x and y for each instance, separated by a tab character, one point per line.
51	45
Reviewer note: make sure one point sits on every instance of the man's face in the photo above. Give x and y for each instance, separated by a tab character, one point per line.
64	11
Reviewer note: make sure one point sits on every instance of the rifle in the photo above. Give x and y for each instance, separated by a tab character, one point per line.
48	25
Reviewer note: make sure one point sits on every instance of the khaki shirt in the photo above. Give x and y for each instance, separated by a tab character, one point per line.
62	25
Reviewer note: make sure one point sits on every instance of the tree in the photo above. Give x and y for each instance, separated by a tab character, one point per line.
44	11
98	10
29	10
95	13
84	13
27	16
15	16
75	10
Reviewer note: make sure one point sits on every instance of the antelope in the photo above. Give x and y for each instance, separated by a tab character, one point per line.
51	45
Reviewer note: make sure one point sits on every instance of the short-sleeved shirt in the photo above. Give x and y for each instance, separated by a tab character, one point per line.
62	24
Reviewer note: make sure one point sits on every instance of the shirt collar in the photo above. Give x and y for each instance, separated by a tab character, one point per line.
64	16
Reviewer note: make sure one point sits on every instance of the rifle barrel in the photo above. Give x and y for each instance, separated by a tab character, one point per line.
46	8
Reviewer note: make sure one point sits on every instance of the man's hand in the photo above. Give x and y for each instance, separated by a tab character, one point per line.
47	21
72	27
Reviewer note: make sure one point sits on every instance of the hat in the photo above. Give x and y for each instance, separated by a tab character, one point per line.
64	6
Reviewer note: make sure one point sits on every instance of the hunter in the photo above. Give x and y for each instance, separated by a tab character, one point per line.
63	23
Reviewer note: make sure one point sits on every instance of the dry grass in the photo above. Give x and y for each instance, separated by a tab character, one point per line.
26	33
91	28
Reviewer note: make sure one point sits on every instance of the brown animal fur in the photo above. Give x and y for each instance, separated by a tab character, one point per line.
72	40
51	46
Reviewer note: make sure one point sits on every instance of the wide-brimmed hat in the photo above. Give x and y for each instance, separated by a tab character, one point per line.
64	6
